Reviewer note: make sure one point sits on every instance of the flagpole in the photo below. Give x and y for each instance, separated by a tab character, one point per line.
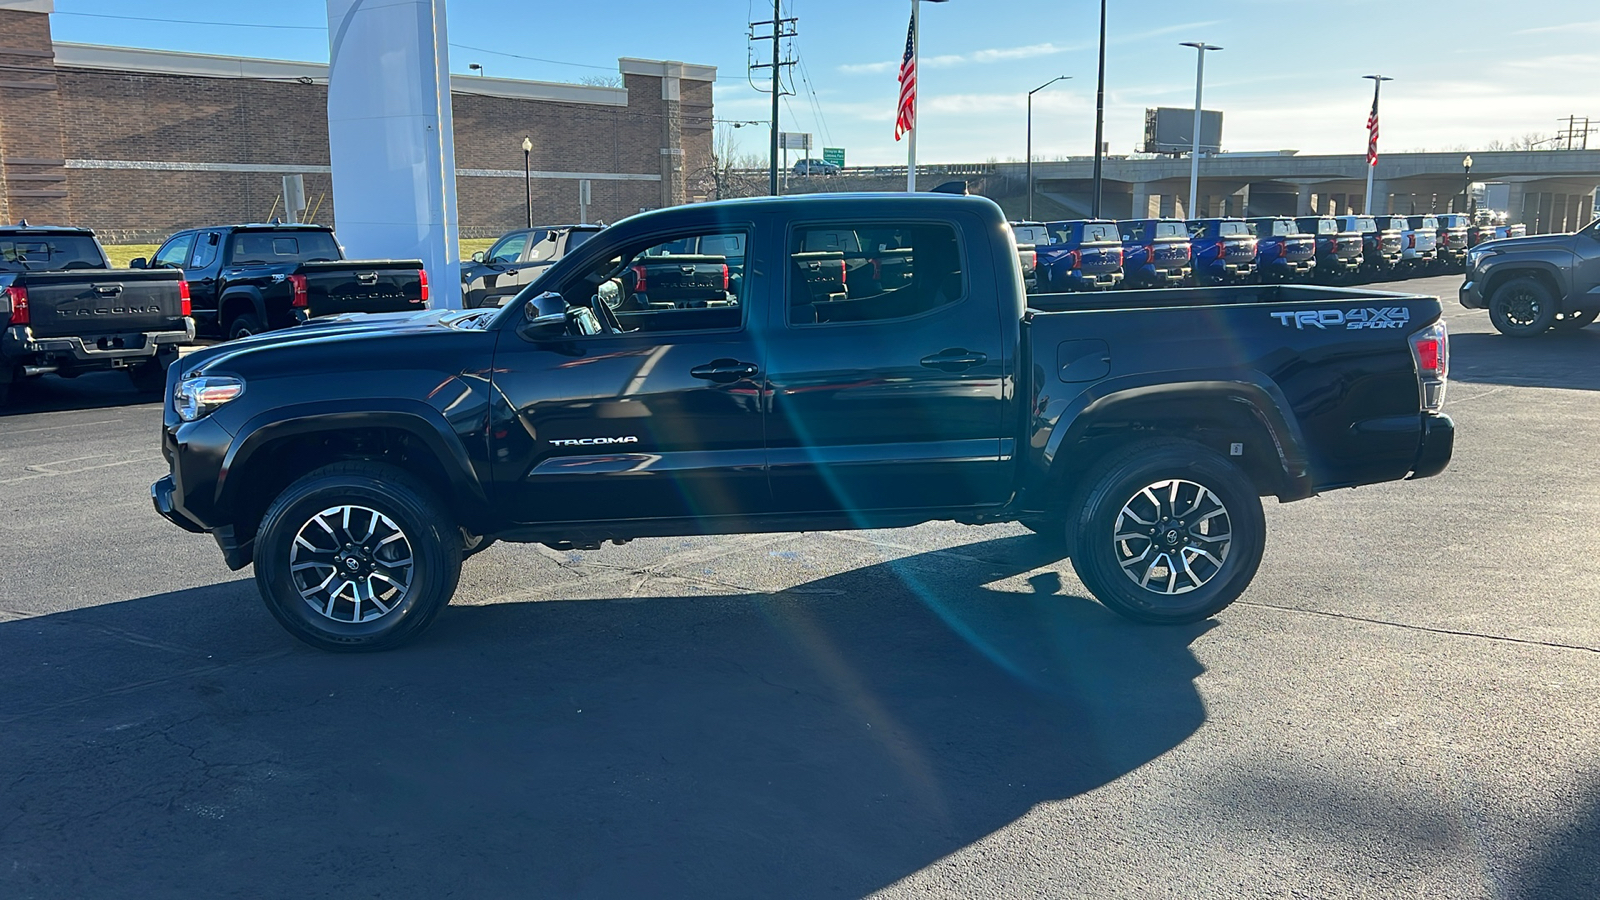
916	57
1372	164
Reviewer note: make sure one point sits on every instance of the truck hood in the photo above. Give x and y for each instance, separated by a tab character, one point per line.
353	326
1536	242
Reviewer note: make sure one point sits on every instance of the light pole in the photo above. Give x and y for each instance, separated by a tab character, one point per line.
527	174
1099	112
1466	185
1030	137
1372	140
1194	151
476	68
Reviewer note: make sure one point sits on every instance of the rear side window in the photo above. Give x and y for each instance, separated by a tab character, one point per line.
205	250
902	270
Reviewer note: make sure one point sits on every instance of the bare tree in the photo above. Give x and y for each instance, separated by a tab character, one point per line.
601	80
729	173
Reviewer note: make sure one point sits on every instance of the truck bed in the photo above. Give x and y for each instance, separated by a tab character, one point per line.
1227	295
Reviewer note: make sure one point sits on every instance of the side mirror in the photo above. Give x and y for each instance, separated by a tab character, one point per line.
544	317
477	257
138	262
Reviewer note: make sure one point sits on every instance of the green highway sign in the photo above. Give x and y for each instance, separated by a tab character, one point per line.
834	155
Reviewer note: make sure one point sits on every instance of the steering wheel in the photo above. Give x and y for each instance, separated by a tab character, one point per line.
609	323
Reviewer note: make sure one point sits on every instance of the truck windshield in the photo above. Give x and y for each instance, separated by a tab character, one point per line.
1100	233
257	247
49	252
1171	230
1233	229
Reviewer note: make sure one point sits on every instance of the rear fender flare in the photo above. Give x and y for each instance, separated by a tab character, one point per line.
464	494
1255	392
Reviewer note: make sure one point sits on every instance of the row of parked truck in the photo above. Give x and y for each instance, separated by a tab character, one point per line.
1099	254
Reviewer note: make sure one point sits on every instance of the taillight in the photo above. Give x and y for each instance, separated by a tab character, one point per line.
1430	351
297	288
16	301
183	294
725	280
844	273
639	281
422	285
1411	241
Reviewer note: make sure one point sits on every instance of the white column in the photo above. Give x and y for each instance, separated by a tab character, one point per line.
390	136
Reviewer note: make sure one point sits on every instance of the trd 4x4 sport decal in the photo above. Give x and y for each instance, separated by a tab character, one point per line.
1368	317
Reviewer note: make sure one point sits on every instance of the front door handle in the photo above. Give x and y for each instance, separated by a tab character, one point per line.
725	371
955	359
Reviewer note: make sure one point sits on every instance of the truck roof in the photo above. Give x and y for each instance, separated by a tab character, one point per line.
25	228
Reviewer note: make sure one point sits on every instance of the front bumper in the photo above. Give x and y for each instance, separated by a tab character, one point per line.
1471	294
161	494
106	351
1438	442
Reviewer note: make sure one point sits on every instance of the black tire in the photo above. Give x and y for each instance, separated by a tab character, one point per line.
244	325
1227	544
1576	320
428	538
151	377
1522	307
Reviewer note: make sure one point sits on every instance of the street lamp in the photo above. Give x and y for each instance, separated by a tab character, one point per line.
527	174
1466	184
1030	137
475	68
1194	151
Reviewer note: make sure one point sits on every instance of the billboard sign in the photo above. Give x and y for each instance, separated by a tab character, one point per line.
1170	130
794	140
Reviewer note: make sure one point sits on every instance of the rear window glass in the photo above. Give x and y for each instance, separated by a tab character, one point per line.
1100	232
250	247
1366	223
1031	234
1170	229
49	252
1284	228
1327	226
1232	229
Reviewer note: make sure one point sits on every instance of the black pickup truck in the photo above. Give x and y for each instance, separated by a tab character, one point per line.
66	311
518	257
357	461
1534	285
246	279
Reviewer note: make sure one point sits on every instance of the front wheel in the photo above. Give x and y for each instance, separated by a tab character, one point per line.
356	556
1167	532
1522	307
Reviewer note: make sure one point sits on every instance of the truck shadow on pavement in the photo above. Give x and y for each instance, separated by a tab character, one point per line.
1552	360
92	390
829	740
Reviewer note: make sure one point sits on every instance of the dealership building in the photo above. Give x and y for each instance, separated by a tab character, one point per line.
140	143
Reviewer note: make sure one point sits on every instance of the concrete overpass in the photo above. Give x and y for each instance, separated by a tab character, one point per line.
1549	190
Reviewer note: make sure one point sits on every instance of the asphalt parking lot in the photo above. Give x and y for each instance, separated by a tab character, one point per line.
1404	703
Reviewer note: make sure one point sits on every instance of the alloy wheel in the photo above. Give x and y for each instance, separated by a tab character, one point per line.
1172	537
351	564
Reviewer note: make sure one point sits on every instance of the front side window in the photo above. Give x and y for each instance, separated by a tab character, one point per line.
690	283
174	254
871	272
509	249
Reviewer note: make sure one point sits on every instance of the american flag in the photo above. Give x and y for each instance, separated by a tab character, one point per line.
1372	130
907	118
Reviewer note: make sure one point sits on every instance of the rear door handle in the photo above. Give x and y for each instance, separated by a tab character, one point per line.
724	371
955	359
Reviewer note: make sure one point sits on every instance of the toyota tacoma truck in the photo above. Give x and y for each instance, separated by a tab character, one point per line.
246	279
64	310
355	461
1283	251
1221	251
492	278
1338	251
1155	252
1380	247
1082	255
1531	285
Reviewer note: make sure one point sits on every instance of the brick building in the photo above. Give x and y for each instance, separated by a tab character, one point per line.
139	143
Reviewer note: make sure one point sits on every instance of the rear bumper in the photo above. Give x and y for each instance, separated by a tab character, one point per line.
1438	443
105	351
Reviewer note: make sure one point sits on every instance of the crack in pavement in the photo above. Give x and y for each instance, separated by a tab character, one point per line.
141	685
1557	645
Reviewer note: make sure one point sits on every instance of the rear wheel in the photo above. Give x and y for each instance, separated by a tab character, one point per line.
1167	531
1522	307
356	556
244	326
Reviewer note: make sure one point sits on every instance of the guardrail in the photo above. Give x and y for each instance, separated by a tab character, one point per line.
893	171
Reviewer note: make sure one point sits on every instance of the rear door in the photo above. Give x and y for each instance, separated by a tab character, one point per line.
205	261
893	398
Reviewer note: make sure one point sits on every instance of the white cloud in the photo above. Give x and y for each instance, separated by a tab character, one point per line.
989	55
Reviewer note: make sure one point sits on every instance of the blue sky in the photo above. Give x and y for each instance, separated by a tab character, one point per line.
1467	72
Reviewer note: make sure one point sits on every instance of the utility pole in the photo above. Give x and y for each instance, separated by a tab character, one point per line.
781	28
1099	112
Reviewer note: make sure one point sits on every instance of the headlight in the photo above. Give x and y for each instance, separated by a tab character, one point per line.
199	397
1477	255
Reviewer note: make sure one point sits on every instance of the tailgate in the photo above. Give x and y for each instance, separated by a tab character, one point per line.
104	301
363	286
1300	248
685	277
1100	259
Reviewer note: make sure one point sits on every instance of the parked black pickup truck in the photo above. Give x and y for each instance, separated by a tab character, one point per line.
516	259
1531	285
357	461
66	311
246	279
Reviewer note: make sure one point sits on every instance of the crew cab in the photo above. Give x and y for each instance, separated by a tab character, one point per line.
1029	235
1283	251
1338	251
1082	255
355	461
1453	237
1380	248
1155	252
1221	251
246	279
517	258
64	310
1531	285
1419	241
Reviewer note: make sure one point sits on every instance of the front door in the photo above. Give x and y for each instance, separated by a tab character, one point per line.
662	419
1586	264
888	396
